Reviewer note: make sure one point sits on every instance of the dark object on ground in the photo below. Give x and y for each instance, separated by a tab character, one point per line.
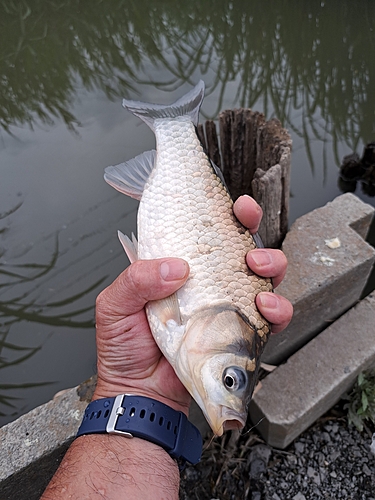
354	169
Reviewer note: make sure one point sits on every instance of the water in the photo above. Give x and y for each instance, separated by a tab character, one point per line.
65	66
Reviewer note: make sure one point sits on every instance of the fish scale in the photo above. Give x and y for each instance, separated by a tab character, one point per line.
210	330
201	210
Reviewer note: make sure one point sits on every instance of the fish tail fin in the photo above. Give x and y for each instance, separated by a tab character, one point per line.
188	105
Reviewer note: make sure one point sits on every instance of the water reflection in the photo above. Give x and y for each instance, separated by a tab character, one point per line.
19	303
19	354
327	73
308	63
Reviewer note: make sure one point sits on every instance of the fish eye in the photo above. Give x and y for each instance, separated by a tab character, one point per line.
234	379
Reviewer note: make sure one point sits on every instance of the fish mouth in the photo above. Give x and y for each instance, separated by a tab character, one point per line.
226	420
233	425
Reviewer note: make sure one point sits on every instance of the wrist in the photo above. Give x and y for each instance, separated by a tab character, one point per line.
108	390
138	416
103	465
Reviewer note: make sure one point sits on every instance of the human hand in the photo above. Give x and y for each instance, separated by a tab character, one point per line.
268	263
129	360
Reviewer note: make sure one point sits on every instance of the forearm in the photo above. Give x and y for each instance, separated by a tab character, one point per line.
102	466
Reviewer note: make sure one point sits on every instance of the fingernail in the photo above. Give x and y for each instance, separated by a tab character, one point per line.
268	300
173	269
261	257
256	205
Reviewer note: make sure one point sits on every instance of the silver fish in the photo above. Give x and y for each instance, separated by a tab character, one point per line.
210	330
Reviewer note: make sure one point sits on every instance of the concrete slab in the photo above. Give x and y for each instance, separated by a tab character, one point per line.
32	447
329	264
298	392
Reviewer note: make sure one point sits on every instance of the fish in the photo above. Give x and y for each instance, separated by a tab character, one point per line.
210	330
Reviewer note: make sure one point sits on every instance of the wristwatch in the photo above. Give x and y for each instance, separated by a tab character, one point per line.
139	416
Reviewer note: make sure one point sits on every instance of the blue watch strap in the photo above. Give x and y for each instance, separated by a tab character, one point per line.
139	416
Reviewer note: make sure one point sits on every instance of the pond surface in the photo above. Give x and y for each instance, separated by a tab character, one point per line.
65	65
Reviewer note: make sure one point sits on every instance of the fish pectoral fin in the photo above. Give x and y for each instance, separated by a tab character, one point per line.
130	247
168	312
131	176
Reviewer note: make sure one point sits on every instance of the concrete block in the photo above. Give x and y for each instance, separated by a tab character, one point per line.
323	280
298	392
32	447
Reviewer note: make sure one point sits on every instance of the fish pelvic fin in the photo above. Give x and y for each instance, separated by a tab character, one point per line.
131	176
188	105
130	246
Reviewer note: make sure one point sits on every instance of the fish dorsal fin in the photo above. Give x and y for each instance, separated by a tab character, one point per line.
220	174
258	240
131	176
130	247
188	105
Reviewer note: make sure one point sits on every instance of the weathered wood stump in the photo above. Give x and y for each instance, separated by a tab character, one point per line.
254	156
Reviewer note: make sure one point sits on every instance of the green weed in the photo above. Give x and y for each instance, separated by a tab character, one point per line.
361	400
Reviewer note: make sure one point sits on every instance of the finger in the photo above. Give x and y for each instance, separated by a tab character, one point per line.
248	212
276	309
142	281
268	263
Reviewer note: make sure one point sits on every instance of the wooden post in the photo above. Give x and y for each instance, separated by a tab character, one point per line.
254	156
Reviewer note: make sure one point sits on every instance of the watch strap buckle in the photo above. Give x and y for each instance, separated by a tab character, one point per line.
117	410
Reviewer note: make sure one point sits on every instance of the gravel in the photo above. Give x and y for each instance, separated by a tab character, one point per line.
331	460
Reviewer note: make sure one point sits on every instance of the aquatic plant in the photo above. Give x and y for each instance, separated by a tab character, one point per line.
361	400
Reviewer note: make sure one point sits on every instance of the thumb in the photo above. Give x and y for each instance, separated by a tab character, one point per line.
142	281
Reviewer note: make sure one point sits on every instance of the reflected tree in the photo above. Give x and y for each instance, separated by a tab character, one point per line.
21	305
316	57
19	355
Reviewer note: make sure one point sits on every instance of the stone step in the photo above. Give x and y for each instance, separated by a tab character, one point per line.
298	392
323	282
32	447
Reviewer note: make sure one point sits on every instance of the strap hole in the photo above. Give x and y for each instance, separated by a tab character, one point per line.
169	425
132	412
99	413
142	414
152	417
106	413
161	421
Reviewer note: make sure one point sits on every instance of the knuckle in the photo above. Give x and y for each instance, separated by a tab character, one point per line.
101	300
